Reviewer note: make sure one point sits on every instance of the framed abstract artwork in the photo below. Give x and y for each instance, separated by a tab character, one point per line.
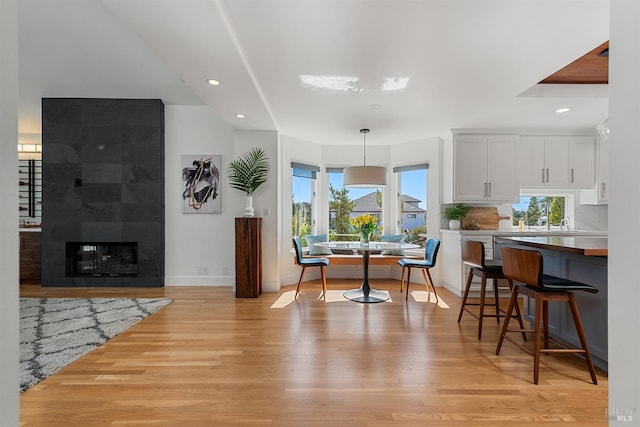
201	184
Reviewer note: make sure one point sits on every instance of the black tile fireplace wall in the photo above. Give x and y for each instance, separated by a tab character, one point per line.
103	181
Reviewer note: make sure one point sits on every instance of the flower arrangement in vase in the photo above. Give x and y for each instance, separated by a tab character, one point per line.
365	225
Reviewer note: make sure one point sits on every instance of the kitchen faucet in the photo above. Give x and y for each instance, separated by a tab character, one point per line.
564	224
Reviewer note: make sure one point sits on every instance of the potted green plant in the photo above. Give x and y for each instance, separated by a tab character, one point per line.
247	173
454	214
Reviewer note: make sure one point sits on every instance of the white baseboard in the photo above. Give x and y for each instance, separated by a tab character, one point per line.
199	280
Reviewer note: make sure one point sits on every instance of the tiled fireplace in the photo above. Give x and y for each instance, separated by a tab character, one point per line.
103	192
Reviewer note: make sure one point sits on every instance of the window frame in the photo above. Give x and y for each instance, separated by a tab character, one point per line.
306	171
398	170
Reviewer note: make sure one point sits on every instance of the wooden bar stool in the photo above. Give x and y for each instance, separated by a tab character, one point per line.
473	256
525	266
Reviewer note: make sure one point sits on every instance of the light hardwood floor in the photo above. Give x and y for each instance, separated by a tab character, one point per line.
209	359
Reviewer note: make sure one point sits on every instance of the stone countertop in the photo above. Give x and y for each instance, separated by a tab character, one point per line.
30	229
532	233
581	245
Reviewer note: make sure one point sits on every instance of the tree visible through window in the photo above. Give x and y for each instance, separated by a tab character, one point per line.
540	211
303	193
340	207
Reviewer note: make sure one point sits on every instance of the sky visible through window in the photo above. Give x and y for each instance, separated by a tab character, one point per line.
523	205
413	184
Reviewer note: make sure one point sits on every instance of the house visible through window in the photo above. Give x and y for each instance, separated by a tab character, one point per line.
412	201
346	203
303	183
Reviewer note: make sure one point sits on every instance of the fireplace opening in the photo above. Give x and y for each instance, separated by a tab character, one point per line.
102	259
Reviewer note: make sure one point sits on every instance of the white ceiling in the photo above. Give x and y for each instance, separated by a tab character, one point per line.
466	61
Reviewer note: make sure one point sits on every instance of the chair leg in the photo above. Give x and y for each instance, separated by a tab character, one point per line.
577	320
537	331
466	294
496	299
402	279
545	323
300	281
324	283
430	281
518	314
483	290
512	302
406	298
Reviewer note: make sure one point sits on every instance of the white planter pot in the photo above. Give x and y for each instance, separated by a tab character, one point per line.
454	224
248	206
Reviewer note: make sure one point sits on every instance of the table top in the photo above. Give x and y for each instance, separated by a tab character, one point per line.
582	245
372	246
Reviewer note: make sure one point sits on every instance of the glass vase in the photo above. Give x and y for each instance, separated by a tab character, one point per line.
365	237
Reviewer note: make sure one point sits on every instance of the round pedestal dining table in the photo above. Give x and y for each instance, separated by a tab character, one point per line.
365	293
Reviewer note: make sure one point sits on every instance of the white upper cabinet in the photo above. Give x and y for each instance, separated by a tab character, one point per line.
485	168
603	173
599	194
556	162
582	162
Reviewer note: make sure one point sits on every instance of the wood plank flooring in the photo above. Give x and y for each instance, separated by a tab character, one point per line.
209	359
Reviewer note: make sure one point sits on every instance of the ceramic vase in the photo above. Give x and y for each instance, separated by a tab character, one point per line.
454	224
248	206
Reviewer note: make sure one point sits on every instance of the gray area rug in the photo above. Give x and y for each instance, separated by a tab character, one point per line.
56	331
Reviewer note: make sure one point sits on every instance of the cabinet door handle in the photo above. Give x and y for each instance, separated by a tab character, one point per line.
572	175
542	175
489	192
547	175
484	191
602	190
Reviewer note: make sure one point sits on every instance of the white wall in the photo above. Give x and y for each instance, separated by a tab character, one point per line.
428	150
208	240
294	150
9	317
624	205
193	240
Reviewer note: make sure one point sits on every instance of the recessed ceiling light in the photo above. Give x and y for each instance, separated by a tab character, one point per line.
240	116
213	82
563	110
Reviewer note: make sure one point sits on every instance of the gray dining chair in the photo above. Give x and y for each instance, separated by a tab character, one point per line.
310	262
430	255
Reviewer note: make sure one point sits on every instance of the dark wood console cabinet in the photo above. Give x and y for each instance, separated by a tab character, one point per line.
30	256
248	257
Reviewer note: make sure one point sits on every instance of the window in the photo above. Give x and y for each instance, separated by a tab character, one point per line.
539	212
346	203
412	201
303	183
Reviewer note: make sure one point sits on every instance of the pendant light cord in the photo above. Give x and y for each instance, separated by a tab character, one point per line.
364	146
